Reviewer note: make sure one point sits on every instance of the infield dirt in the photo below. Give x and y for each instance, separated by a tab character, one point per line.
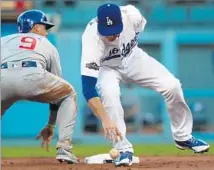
196	162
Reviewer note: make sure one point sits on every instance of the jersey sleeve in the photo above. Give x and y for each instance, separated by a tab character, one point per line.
92	51
135	17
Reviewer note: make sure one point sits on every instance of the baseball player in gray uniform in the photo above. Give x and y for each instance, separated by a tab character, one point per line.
110	55
31	70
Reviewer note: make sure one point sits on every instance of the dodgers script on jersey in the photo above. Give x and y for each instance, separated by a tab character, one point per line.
110	53
33	47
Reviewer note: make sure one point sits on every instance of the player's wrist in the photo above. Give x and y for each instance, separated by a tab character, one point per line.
50	125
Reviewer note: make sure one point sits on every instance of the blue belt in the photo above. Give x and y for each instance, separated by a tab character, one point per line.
24	64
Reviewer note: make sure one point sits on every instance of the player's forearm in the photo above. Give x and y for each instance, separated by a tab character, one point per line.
53	114
90	93
97	108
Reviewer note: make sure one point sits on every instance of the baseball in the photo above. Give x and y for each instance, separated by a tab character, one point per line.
114	153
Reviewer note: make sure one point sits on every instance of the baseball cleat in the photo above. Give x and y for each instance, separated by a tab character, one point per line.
125	159
66	156
196	145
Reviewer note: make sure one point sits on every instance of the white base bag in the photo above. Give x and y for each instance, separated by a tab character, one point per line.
105	158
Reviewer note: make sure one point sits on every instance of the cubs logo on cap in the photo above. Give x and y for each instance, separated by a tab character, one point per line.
109	20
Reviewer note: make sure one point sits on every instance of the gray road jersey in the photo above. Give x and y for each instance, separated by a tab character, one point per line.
33	47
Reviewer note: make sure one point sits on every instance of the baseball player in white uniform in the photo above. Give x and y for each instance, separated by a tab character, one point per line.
31	70
110	55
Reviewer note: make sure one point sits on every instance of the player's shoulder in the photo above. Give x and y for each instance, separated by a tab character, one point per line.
43	41
8	37
38	37
128	10
91	29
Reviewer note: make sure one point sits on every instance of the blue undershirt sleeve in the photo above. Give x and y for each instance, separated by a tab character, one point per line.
88	87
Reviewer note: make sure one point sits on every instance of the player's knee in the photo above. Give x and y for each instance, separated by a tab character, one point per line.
173	90
70	90
67	91
174	85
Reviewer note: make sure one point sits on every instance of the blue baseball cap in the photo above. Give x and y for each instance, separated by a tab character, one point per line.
109	20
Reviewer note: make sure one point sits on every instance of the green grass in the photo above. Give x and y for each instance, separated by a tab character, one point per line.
88	150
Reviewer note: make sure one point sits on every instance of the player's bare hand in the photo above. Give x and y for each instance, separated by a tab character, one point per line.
46	134
111	131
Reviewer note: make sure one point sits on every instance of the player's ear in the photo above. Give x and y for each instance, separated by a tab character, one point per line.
34	29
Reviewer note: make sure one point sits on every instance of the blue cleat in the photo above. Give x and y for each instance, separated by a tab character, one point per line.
197	145
125	159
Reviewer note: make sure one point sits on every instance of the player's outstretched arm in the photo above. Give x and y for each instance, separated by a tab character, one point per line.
92	52
110	129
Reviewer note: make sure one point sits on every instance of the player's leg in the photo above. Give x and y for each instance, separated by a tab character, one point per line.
109	89
8	92
48	88
66	120
148	72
